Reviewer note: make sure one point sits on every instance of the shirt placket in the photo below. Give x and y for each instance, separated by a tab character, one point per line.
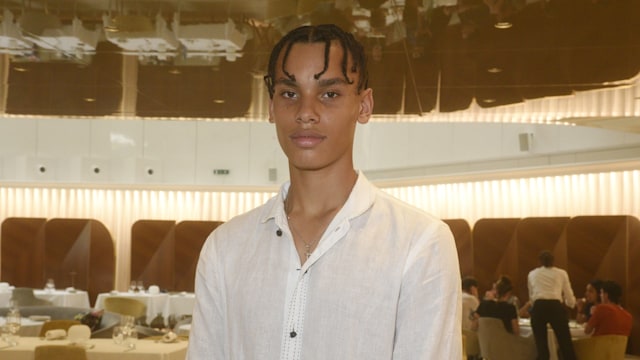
292	337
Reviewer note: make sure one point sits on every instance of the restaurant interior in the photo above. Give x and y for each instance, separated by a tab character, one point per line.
129	130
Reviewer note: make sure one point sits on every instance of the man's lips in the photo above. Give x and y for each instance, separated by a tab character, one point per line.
307	139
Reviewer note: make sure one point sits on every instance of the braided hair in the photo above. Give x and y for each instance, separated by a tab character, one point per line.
326	34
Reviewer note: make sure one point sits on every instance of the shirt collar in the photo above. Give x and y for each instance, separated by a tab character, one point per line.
360	200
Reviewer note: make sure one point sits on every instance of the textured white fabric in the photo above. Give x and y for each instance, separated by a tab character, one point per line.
383	283
550	283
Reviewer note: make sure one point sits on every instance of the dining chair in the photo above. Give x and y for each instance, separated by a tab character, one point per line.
60	352
23	296
471	345
126	306
63	324
496	343
601	347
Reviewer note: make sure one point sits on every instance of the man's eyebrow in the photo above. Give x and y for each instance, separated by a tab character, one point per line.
333	81
286	82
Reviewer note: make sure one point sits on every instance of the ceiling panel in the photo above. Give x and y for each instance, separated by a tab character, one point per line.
457	59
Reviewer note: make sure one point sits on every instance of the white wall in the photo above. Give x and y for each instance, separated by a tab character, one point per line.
186	152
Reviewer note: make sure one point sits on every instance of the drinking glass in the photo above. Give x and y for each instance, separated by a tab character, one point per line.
133	286
140	286
51	285
127	321
118	335
130	338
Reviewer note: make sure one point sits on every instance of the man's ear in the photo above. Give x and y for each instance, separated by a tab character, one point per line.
366	106
271	118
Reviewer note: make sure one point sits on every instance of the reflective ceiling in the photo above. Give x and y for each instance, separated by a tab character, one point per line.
151	58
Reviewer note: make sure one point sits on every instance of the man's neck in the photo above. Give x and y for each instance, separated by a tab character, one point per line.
314	194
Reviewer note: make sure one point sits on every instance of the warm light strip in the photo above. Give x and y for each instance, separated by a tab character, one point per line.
605	193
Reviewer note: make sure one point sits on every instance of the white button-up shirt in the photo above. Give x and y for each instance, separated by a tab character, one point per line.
383	283
550	283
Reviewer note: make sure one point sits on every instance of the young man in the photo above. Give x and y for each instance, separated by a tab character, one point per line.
609	317
330	268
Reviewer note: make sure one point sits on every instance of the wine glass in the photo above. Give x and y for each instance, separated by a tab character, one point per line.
11	327
140	286
50	286
133	286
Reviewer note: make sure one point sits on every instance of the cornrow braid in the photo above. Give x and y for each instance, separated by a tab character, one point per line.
320	34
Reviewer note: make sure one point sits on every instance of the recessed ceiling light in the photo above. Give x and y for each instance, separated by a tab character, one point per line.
175	71
494	70
489	101
89	99
20	69
218	101
503	25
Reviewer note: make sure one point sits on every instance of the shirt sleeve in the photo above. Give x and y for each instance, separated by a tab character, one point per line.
567	291
428	324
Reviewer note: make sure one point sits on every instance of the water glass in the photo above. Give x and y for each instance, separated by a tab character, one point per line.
130	338
118	335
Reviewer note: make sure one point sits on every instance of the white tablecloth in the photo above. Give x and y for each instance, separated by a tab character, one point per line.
156	303
180	304
577	331
68	298
103	349
75	298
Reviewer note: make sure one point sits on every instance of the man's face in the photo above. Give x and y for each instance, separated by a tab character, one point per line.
316	118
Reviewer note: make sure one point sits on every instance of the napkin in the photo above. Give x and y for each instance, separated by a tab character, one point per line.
79	334
169	337
154	289
55	334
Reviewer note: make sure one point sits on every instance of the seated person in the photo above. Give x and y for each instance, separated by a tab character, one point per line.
591	298
525	310
500	308
470	302
608	317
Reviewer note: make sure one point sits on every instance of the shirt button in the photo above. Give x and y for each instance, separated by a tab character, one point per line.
293	334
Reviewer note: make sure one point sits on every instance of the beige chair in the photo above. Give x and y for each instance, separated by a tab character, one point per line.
498	344
472	345
602	347
126	306
60	352
57	324
24	297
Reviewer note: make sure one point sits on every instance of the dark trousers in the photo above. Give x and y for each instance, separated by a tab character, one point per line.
551	312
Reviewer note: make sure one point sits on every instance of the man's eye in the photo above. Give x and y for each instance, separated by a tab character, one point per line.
331	94
288	94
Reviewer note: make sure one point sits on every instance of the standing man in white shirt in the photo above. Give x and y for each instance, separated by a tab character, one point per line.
331	267
549	287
